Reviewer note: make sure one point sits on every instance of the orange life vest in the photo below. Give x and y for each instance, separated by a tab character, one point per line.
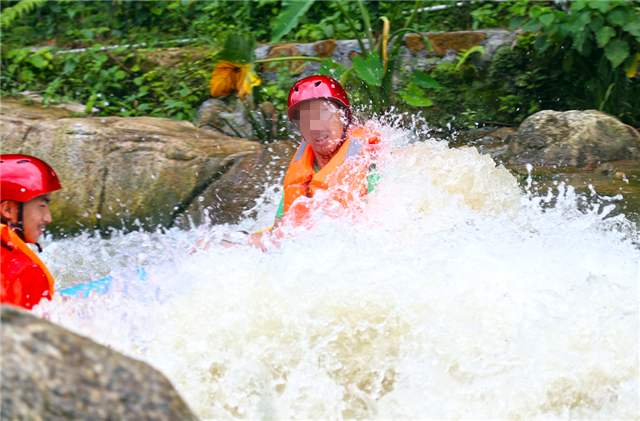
24	279
344	177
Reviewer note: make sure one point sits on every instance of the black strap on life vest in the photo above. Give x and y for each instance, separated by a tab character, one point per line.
17	227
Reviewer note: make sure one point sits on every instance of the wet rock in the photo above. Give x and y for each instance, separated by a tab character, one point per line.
229	198
227	119
49	373
443	42
17	117
573	138
325	49
285	50
495	39
124	172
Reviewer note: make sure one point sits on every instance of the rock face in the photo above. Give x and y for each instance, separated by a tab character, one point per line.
574	138
443	42
228	198
121	172
446	45
228	119
18	117
49	373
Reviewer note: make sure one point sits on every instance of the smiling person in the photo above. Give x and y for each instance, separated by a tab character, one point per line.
333	157
26	184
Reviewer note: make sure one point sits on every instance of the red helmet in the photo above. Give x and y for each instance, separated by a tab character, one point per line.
23	177
317	87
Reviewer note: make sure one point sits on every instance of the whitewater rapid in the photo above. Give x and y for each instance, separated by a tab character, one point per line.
455	295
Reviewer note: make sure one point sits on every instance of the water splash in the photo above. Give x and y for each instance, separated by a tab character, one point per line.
456	295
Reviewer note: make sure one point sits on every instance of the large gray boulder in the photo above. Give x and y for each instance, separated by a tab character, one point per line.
49	373
574	138
121	172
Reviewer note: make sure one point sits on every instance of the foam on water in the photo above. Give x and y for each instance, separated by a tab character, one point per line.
456	295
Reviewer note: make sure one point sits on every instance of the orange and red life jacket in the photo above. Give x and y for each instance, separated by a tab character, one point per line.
344	177
24	279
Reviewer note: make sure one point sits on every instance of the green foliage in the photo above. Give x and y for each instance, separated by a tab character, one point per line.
596	43
369	69
237	49
11	13
288	18
112	81
415	96
424	80
332	69
466	55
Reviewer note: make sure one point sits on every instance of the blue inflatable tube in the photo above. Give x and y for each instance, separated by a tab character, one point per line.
101	286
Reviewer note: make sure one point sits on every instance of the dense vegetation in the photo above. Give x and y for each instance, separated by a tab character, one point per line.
570	56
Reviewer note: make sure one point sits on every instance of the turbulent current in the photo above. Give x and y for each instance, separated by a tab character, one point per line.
456	294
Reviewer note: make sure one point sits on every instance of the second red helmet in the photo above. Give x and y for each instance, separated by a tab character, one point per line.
317	87
23	177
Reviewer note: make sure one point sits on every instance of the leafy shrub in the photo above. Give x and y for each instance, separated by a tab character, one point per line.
598	46
101	79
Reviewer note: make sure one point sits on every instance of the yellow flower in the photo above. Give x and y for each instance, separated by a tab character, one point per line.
228	77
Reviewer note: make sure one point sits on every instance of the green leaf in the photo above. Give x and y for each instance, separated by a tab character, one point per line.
633	28
617	51
415	96
135	68
578	5
120	74
532	26
631	65
370	69
618	16
562	29
596	23
139	80
535	12
424	80
331	69
69	66
237	49
541	45
580	20
156	11
547	18
288	18
604	34
466	55
601	5
38	61
27	75
517	22
580	43
87	33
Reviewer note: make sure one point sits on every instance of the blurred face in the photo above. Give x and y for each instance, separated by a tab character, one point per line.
35	215
321	123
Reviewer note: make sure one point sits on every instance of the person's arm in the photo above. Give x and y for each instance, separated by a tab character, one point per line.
256	239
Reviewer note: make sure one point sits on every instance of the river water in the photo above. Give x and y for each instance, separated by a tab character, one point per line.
457	294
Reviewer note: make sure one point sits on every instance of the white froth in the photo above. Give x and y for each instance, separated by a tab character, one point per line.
454	296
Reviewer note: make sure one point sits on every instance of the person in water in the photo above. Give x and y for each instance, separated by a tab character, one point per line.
26	184
333	157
